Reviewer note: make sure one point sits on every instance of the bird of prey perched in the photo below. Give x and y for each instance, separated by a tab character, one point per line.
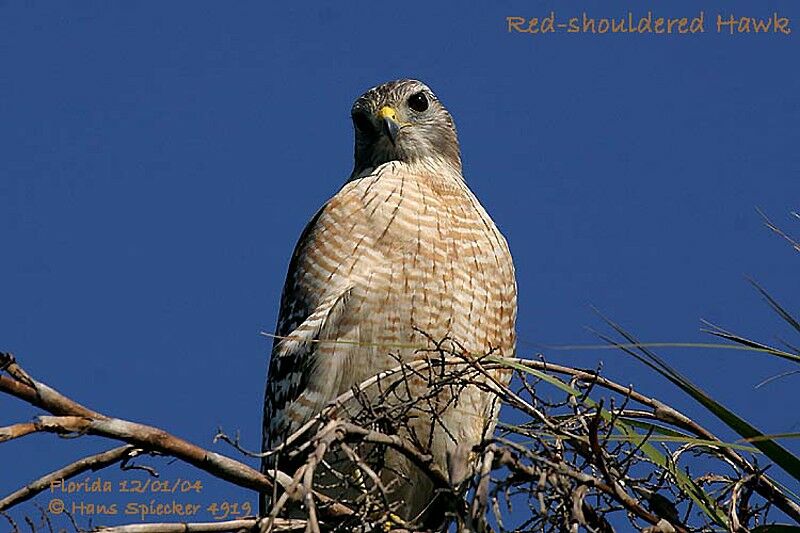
403	254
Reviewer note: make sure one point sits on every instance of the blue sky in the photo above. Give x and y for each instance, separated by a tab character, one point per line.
159	161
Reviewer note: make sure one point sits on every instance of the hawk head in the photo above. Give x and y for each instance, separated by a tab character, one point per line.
403	120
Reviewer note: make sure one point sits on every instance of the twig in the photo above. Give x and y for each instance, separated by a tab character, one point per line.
244	524
80	420
92	462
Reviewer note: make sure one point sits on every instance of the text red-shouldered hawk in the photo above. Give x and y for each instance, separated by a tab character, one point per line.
403	248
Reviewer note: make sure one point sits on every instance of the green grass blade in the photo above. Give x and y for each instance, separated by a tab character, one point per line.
776	306
774	451
775	436
757	346
686	483
657	434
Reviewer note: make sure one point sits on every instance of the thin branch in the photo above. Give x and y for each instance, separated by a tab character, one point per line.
80	420
92	462
16	431
244	524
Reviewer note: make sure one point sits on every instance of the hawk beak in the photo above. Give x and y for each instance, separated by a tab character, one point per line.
391	126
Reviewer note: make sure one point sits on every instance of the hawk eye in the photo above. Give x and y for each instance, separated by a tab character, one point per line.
418	102
362	122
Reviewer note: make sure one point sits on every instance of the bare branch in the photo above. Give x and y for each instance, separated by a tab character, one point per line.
92	462
242	525
16	431
563	466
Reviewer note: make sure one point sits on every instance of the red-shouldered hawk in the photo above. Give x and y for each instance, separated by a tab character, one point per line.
403	248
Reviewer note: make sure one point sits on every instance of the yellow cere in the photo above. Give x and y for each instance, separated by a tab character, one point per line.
387	112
